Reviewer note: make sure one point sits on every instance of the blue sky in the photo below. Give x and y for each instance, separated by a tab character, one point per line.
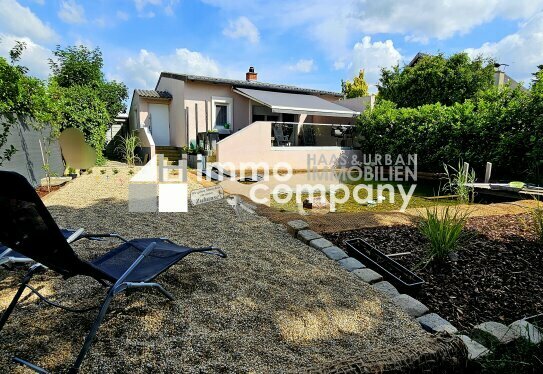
310	43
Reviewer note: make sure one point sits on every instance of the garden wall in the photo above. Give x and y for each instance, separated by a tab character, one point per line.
27	161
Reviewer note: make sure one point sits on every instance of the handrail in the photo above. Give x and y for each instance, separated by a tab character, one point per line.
310	123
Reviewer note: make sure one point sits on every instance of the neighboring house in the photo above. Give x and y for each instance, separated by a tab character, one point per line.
245	120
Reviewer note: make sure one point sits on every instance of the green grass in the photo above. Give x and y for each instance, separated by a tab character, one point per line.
417	201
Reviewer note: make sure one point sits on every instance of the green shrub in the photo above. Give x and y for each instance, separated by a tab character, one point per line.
127	148
536	221
444	229
115	171
500	125
102	171
89	171
459	181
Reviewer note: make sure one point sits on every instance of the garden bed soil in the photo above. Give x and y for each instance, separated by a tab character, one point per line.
43	190
497	276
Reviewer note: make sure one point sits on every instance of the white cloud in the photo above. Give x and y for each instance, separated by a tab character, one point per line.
123	16
242	27
143	5
372	57
421	20
523	50
143	70
303	66
334	29
71	12
35	57
20	21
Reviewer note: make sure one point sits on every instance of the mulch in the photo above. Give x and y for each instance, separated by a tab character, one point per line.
43	191
497	276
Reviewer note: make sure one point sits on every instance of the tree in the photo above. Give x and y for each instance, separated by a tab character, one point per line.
21	97
84	98
436	79
82	108
357	88
79	66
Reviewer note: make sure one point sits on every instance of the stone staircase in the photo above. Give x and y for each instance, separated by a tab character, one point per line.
172	154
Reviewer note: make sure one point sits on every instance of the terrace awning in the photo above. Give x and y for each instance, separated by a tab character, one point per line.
281	102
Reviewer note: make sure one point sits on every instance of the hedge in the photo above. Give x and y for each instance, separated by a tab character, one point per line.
500	125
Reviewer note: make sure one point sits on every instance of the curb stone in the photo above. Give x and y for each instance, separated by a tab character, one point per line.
368	275
410	305
475	350
387	288
491	333
527	331
433	322
294	226
334	253
320	243
350	264
307	235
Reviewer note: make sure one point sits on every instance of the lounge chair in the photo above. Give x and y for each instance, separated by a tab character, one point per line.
27	227
10	257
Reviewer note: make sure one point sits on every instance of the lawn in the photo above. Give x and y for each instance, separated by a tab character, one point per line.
420	198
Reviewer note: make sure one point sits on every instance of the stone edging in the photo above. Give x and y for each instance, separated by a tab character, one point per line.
487	333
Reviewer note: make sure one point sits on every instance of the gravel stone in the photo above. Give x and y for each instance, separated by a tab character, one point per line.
527	331
494	332
434	323
294	226
320	243
266	288
334	253
307	235
351	263
368	275
386	288
412	306
475	350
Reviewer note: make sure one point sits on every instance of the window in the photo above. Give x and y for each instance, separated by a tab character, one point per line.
221	115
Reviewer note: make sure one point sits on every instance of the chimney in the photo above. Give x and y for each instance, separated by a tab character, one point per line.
250	75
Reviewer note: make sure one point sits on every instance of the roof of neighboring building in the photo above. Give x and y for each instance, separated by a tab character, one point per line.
248	84
416	59
152	94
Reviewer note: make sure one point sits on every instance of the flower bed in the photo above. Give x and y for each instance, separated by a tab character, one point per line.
498	274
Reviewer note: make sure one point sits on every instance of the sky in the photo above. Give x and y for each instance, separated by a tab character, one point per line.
307	43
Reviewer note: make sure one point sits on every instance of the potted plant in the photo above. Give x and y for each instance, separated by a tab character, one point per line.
193	152
226	126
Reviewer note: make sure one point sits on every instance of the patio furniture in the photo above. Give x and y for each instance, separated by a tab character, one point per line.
27	227
10	257
280	138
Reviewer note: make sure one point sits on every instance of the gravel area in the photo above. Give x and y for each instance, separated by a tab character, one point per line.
274	305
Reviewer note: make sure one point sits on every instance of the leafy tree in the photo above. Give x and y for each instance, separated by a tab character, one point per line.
357	88
82	108
78	85
21	97
80	66
436	79
77	66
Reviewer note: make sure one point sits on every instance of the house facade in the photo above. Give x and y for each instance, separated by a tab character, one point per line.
239	121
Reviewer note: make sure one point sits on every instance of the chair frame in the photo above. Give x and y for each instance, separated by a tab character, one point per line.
119	286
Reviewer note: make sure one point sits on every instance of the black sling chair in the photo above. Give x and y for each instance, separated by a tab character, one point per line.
27	227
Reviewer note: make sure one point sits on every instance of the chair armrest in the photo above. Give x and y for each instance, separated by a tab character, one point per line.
209	251
90	236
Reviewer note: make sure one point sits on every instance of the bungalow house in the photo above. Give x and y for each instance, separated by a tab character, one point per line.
241	121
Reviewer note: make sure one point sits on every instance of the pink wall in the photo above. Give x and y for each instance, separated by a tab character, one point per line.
253	144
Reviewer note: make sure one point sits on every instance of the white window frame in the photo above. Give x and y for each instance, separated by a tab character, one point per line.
229	102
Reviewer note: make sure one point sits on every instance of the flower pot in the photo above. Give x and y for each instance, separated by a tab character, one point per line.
384	265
